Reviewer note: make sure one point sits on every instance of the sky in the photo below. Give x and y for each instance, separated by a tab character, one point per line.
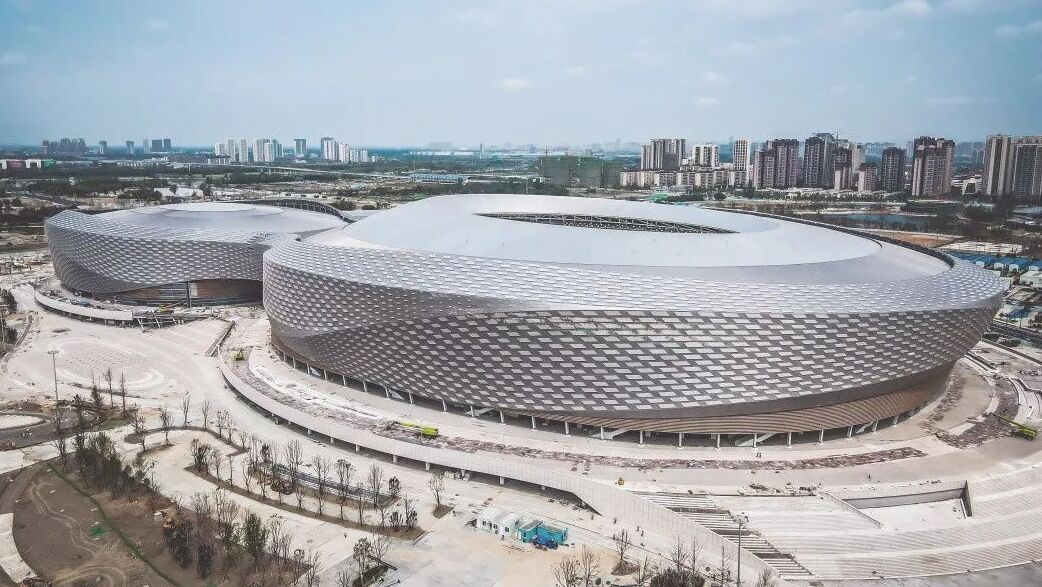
407	72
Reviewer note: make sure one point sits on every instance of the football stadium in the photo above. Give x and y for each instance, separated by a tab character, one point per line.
626	315
196	254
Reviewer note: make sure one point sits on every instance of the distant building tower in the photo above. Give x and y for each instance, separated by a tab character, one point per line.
866	178
145	150
1027	167
705	155
300	147
329	148
892	169
740	154
168	145
130	147
842	174
221	150
819	160
260	150
242	151
932	167
763	169
103	148
663	154
786	161
157	146
998	166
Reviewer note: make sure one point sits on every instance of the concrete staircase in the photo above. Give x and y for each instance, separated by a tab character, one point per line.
702	509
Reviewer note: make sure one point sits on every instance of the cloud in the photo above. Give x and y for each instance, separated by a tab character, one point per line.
514	83
713	77
871	16
949	101
706	101
755	8
576	71
13	58
156	24
1016	30
475	18
758	45
911	7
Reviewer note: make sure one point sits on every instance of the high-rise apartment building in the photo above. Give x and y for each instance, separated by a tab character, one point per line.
843	170
705	155
145	147
776	164
932	160
157	145
130	147
263	151
740	154
168	145
329	148
300	147
818	160
998	166
221	149
664	154
1027	167
892	169
866	178
103	147
241	151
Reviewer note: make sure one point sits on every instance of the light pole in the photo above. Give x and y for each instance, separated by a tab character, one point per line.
741	519
54	367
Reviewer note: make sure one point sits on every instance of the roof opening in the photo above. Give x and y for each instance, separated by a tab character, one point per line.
607	222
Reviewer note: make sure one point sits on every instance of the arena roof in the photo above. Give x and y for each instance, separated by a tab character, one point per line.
225	216
636	237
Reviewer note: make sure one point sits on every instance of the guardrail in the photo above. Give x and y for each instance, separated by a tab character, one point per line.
600	496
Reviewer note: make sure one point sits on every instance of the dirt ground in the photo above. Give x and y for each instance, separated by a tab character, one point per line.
62	536
923	239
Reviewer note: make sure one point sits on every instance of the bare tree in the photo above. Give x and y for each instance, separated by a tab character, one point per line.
244	438
215	459
695	556
231	468
123	392
275	533
313	562
294	459
622	544
381	544
360	505
766	579
343	474
409	510
588	566
362	552
164	421
678	554
322	465
566	572
645	572
344	577
436	484
375	479
107	376
205	411
186	404
247	477
61	433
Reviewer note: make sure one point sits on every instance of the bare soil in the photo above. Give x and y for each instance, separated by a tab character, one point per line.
63	536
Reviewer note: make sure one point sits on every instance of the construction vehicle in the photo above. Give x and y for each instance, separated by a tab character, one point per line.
1021	430
417	429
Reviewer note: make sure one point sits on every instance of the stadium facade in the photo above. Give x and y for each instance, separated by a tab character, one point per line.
196	254
628	315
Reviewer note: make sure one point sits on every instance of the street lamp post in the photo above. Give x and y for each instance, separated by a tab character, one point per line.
54	368
741	519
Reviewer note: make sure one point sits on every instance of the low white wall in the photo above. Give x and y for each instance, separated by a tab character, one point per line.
607	500
87	312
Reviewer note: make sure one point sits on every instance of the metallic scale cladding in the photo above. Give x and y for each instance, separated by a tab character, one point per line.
163	254
566	308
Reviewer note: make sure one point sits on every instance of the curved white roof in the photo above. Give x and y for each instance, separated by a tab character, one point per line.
634	237
226	216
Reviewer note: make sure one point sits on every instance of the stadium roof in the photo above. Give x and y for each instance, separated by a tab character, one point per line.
635	237
231	217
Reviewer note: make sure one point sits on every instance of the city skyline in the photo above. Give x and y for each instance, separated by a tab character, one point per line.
545	73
